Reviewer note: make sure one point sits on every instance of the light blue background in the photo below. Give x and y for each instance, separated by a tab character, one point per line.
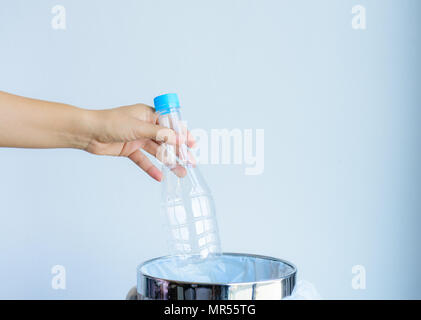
340	109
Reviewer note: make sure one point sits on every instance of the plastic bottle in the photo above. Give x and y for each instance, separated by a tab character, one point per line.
186	201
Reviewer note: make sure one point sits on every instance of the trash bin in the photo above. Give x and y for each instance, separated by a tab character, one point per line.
229	276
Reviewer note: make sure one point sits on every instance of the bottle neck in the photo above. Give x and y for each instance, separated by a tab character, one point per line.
174	121
171	120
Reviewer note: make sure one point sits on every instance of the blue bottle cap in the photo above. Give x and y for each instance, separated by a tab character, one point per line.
165	103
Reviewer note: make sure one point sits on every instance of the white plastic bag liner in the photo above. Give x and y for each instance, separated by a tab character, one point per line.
217	270
304	290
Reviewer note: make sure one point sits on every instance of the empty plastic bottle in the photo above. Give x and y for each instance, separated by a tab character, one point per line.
186	201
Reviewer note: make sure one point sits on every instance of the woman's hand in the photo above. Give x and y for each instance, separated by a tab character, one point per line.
125	130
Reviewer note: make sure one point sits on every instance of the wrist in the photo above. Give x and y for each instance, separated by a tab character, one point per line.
84	124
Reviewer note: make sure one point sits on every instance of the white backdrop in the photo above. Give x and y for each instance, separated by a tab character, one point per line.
340	110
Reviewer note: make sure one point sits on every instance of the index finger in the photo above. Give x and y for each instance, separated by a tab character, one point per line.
158	133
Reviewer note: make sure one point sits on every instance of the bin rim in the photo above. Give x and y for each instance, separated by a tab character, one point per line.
228	284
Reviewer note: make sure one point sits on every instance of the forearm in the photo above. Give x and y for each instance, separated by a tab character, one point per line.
122	131
31	123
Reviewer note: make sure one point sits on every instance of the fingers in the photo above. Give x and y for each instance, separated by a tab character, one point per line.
152	131
191	142
141	112
146	165
156	150
159	152
179	171
163	134
146	114
183	135
143	121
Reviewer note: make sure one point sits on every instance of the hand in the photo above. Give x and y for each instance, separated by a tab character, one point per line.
32	123
124	131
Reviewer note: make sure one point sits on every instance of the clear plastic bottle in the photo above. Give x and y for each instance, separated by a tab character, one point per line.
186	202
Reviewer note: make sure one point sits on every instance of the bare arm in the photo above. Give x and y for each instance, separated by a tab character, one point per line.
32	123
